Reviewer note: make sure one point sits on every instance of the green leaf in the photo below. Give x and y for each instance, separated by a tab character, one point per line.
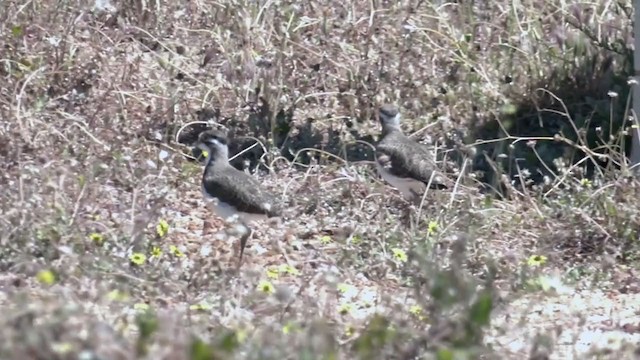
444	354
16	31
458	354
488	202
442	290
509	109
147	324
229	341
200	350
375	337
481	309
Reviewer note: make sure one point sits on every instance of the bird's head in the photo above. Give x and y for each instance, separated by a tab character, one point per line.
389	117
215	143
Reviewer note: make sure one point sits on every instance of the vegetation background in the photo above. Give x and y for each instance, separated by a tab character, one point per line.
108	251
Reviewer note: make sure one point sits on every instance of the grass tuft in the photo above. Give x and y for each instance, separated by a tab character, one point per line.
108	250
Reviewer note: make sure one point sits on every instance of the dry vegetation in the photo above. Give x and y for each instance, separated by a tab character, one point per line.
108	251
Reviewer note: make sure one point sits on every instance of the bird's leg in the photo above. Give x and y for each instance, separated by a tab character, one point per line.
407	213
245	233
206	227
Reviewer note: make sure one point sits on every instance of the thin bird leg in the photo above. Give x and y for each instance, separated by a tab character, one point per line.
246	234
407	216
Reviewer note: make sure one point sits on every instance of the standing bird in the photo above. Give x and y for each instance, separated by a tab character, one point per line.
235	196
402	162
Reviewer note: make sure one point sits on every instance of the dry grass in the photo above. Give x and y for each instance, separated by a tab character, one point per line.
530	99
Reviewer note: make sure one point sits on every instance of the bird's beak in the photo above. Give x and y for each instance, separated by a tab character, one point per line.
203	147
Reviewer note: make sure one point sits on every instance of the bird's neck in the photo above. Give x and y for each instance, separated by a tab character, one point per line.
390	129
215	161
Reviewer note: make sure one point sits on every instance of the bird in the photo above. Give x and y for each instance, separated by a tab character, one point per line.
235	196
405	164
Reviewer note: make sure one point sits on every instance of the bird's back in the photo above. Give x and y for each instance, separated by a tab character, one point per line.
407	158
245	192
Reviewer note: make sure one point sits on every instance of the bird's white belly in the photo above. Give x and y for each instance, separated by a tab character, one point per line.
404	185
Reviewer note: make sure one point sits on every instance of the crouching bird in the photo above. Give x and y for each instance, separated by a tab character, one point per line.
405	164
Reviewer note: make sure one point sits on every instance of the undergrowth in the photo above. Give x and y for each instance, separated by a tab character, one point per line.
109	252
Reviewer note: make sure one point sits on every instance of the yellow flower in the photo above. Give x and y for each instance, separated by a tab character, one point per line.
141	307
96	237
585	182
536	260
290	270
287	328
162	228
432	228
356	239
272	272
343	288
266	287
326	239
416	311
205	153
46	277
203	306
286	268
348	330
117	295
138	258
156	252
345	308
175	251
61	347
241	335
399	254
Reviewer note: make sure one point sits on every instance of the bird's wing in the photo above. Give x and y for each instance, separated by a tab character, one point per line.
407	159
241	189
